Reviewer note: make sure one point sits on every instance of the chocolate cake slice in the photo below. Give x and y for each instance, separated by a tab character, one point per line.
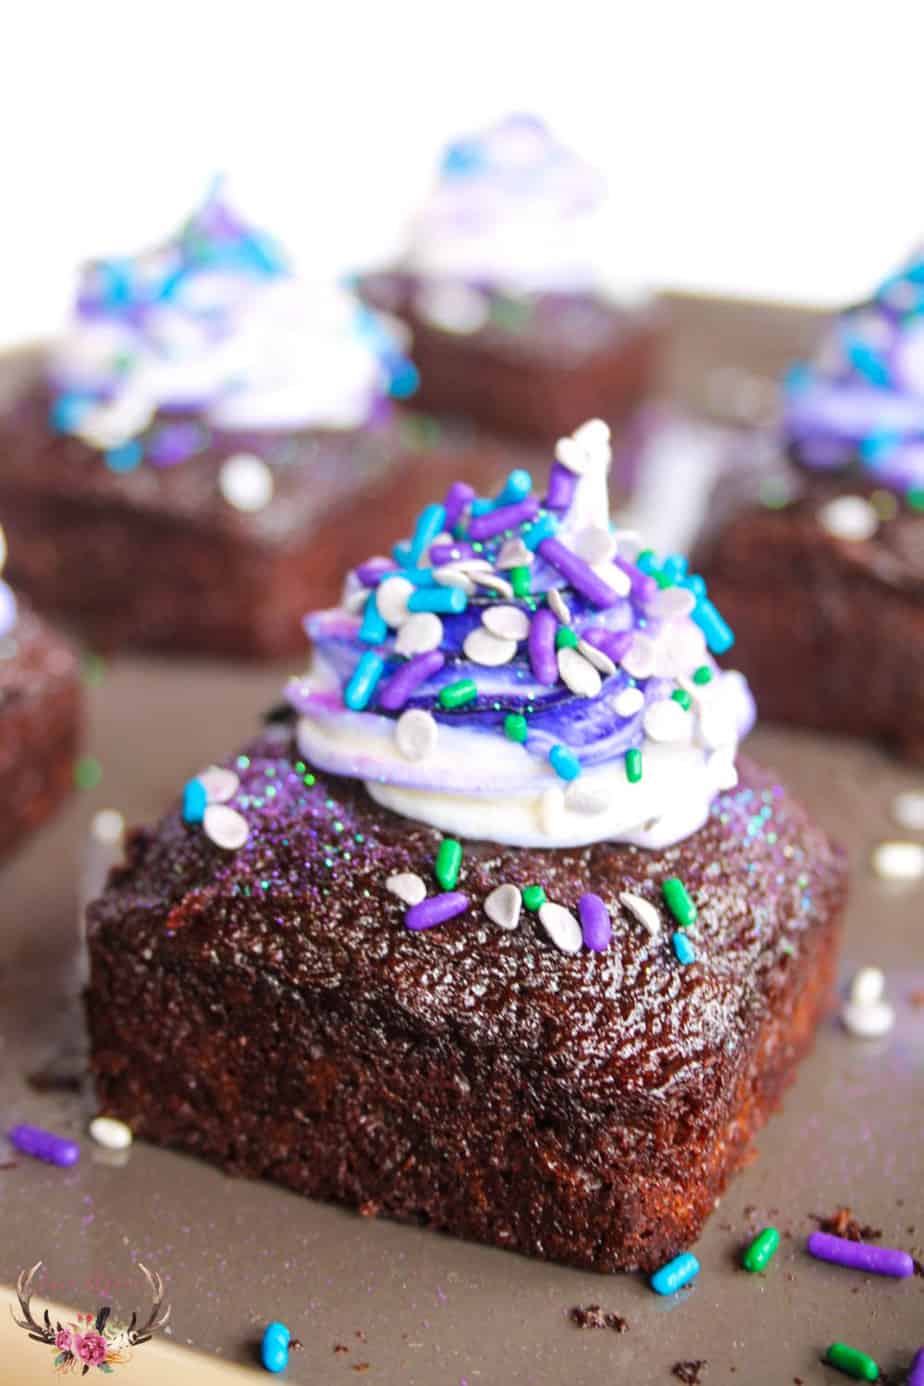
489	932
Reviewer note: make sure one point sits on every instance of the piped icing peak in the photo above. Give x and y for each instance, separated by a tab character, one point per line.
513	209
215	324
520	672
860	401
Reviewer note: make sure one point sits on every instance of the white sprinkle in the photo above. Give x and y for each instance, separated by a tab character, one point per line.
668	721
484	648
391	598
571	455
867	987
679	649
419	634
628	544
578	673
672	603
594	544
643	911
496	583
110	1133
461	573
559	606
551	809
453	306
561	927
416	733
225	826
597	658
246	482
407	886
593	433
108	826
899	861
629	702
849	517
219	784
579	798
515	554
503	906
506	622
353	601
640	657
868	1022
908	810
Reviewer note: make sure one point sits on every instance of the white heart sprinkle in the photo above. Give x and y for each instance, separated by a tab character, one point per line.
407	886
506	622
572	455
419	634
593	433
867	987
597	658
850	518
868	1022
679	649
639	659
481	647
643	911
391	598
672	603
515	554
578	673
246	482
500	586
629	702
561	927
219	784
581	799
451	576
558	606
908	810
108	827
899	861
110	1133
453	306
594	544
503	906
416	734
668	721
551	809
225	826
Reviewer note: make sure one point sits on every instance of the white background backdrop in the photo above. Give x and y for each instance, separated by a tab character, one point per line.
771	149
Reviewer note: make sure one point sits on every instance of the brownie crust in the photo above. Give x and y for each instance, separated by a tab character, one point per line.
269	1011
40	719
571	357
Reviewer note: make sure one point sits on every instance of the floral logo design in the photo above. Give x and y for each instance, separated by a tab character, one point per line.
94	1340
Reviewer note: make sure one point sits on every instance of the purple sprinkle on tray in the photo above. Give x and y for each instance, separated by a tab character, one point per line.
457	498
863	1256
44	1145
595	923
542	630
395	692
562	485
437	909
506	517
580	574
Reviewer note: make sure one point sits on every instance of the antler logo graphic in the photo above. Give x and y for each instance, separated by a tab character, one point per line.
94	1340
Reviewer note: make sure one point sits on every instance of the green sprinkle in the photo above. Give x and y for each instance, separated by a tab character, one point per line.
515	726
852	1361
645	560
300	767
915	498
662	579
93	670
566	638
309	779
533	896
681	696
243	762
633	765
678	901
87	772
762	1250
519	580
703	674
448	861
458	694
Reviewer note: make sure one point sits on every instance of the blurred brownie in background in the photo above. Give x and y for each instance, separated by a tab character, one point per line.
194	462
40	705
511	323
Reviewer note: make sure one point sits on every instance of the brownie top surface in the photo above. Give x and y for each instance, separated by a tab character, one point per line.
304	904
33	658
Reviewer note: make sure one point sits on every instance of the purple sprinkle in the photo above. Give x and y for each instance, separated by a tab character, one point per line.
916	1375
395	692
174	443
443	552
436	910
371	573
562	485
494	522
457	498
876	1260
580	574
541	646
614	643
595	923
644	586
45	1145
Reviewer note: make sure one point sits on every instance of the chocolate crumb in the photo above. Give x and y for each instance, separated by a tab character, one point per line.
341	1347
592	1316
369	1209
690	1373
918	1267
360	1366
55	1080
296	1345
797	1381
842	1223
917	998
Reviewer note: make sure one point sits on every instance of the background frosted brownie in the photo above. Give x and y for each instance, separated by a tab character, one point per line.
511	324
488	931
